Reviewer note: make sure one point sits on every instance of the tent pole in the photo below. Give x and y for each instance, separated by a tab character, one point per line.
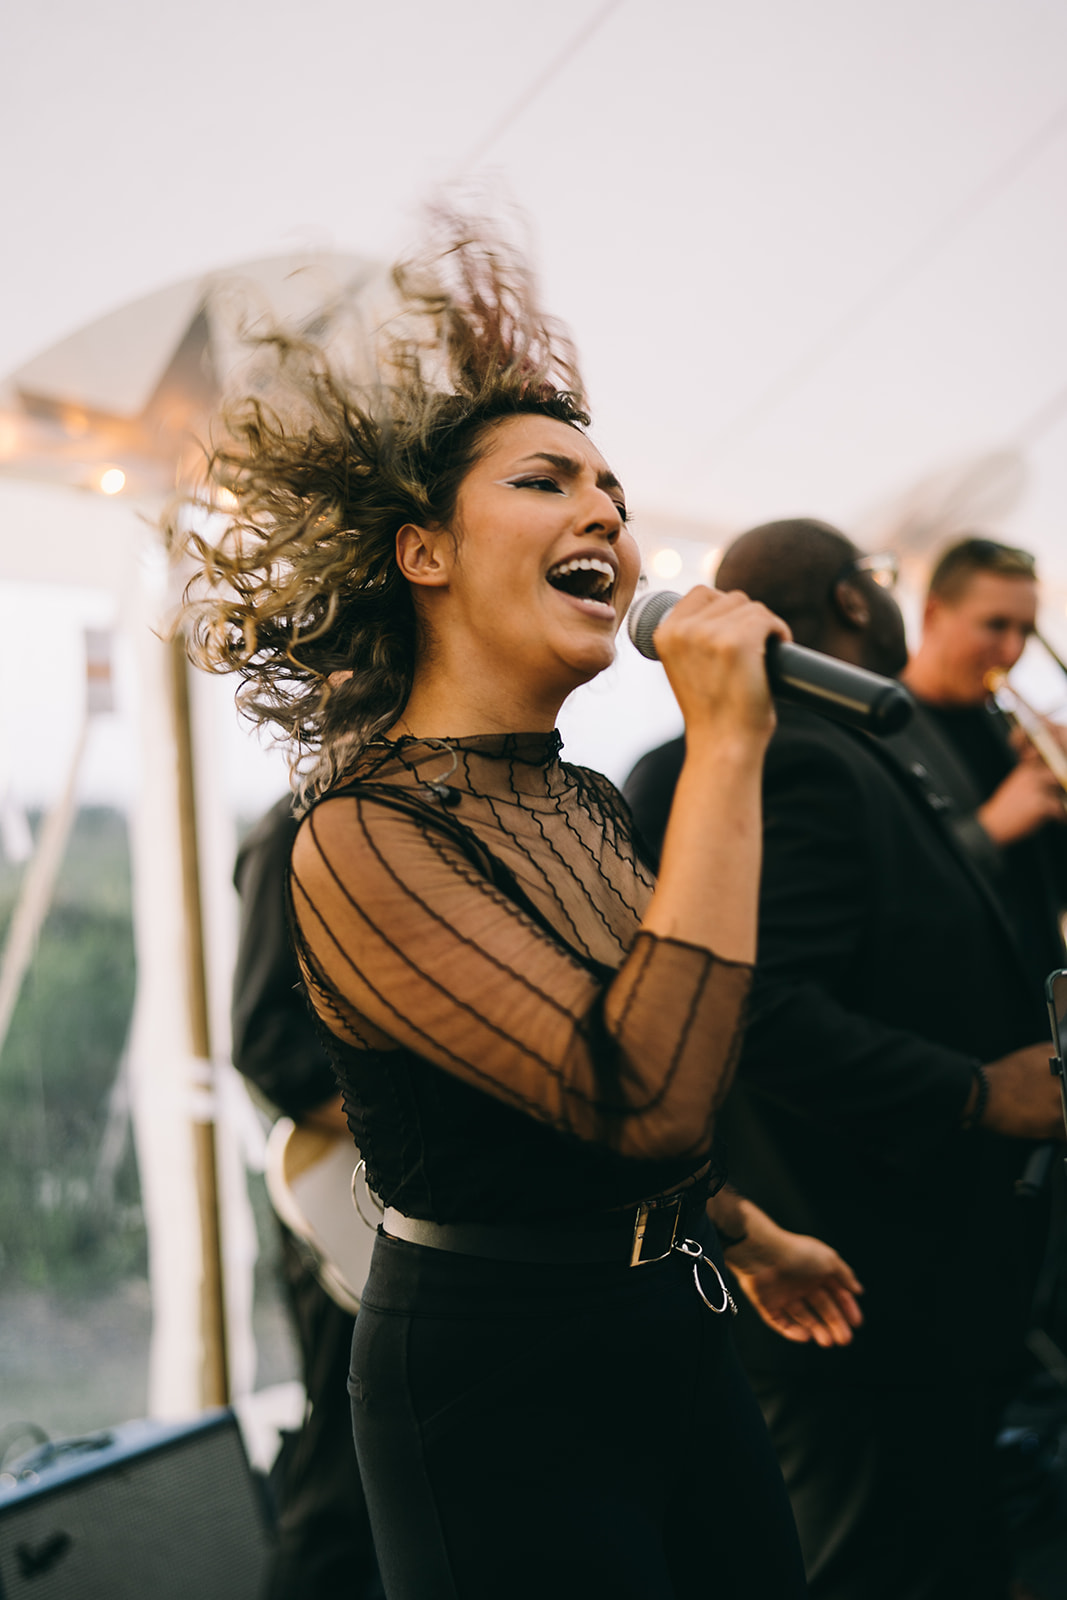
38	886
215	1381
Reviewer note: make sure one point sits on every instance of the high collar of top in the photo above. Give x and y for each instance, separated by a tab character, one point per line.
532	749
508	765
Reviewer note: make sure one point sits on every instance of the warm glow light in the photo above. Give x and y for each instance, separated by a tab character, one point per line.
710	562
225	499
112	481
666	563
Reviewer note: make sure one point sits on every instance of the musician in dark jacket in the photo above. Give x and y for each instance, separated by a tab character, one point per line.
1006	807
893	1076
325	1550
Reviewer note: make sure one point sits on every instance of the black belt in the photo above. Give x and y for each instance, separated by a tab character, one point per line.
634	1237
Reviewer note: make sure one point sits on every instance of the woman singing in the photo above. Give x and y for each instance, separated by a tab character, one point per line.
532	1036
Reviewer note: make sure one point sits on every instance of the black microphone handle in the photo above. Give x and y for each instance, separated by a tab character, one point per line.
837	689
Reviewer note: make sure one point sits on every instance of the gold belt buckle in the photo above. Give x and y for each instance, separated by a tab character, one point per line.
645	1210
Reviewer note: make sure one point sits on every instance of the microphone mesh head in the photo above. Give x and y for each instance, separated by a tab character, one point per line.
645	617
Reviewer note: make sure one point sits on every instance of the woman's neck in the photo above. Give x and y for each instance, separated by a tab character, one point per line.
437	710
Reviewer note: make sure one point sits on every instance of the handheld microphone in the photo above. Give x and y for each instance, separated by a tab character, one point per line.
806	677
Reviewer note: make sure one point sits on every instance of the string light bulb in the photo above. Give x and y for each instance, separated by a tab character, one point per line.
666	563
112	481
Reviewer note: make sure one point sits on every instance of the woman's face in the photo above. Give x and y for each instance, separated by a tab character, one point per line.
543	568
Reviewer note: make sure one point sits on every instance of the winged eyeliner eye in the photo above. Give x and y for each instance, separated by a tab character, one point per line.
537	482
540	481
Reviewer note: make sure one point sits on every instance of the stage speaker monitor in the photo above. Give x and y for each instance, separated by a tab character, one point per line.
143	1511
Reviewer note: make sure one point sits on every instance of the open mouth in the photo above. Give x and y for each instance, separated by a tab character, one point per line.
584	578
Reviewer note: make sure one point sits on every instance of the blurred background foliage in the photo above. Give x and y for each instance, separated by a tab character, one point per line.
75	1310
70	1212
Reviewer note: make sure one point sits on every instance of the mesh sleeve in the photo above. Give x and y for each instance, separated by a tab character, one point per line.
404	940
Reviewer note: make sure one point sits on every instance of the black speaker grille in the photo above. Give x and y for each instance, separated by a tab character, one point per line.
178	1520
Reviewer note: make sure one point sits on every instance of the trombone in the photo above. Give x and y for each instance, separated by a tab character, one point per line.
1034	726
1043	642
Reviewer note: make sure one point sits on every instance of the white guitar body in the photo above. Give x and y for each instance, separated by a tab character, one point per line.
311	1180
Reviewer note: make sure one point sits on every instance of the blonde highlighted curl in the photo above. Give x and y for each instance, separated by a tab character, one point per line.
302	583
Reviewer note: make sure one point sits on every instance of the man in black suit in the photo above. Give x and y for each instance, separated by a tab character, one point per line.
890	1082
325	1549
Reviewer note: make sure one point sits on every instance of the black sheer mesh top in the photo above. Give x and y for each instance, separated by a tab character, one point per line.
510	1044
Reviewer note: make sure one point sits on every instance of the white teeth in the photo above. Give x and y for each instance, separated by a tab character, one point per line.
584	564
599	586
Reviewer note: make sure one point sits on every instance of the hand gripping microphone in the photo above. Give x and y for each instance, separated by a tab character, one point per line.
806	677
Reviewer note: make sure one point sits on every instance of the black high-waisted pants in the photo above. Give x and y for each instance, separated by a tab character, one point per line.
561	1433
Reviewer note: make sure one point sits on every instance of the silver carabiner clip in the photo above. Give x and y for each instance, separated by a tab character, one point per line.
361	1168
694	1252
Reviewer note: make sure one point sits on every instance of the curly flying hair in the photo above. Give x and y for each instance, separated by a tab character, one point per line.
301	595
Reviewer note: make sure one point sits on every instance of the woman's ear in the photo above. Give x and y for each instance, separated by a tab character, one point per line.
424	555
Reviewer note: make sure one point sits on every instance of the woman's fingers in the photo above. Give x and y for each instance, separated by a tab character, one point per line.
848	1278
810	1304
713	648
705	611
834	1323
789	1327
816	1317
850	1307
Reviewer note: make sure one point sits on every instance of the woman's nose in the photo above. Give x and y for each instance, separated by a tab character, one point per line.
603	516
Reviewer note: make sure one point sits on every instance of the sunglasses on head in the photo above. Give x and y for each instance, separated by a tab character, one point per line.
882	568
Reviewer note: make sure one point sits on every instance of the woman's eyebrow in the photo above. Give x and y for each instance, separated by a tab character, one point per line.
573	468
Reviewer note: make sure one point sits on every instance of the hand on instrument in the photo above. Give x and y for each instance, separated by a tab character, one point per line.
712	647
1024	1097
1022	743
1028	798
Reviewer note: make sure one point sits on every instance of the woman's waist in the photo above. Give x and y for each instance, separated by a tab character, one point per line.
409	1279
438	1148
634	1233
510	1170
588	1191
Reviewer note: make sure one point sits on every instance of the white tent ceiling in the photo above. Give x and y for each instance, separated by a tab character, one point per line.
136	390
811	252
814	255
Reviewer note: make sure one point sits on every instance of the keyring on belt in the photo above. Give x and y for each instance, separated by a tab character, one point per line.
694	1252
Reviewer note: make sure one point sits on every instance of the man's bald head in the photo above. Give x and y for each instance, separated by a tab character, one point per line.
802	570
790	566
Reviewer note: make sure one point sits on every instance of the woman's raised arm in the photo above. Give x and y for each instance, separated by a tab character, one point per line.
404	942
